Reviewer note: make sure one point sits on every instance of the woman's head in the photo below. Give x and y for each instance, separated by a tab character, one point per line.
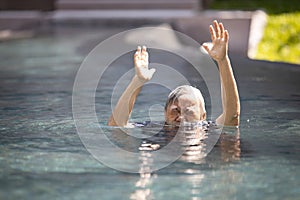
185	103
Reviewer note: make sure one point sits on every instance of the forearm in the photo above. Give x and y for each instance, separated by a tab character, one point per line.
123	109
230	95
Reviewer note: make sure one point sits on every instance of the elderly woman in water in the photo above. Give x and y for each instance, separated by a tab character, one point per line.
185	103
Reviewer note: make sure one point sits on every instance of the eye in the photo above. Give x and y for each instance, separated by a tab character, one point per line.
175	111
189	111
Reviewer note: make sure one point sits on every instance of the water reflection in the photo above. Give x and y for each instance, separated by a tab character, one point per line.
227	149
194	142
195	179
228	146
144	183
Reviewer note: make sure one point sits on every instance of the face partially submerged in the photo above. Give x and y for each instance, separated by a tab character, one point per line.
187	105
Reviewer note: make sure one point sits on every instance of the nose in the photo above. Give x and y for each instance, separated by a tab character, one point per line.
179	118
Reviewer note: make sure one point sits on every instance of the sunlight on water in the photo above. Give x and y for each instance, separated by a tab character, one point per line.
42	156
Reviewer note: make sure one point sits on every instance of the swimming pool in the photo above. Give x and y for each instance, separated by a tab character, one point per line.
42	156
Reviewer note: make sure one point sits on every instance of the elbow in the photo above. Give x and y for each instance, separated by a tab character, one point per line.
232	114
111	121
236	119
233	119
229	118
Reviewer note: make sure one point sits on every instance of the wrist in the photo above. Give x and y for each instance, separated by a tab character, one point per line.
222	60
137	81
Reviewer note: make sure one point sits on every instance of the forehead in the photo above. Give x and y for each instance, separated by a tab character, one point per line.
186	100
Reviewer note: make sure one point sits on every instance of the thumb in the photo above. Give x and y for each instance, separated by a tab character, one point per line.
206	46
152	71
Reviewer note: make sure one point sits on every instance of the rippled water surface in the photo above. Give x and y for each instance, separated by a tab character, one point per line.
42	156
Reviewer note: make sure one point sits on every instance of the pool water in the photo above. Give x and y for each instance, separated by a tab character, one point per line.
42	156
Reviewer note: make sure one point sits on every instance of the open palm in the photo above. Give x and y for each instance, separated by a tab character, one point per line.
219	46
141	62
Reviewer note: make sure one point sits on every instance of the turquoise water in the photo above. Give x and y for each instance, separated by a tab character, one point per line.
42	156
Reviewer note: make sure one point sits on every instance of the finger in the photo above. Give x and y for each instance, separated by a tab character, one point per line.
212	33
144	52
226	36
139	48
221	30
137	53
217	29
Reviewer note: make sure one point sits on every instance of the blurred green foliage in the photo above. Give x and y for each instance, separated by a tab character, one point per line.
270	6
281	39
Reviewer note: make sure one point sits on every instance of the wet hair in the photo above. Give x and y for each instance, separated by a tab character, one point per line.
184	89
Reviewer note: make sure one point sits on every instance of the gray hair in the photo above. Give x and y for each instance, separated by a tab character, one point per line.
185	89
